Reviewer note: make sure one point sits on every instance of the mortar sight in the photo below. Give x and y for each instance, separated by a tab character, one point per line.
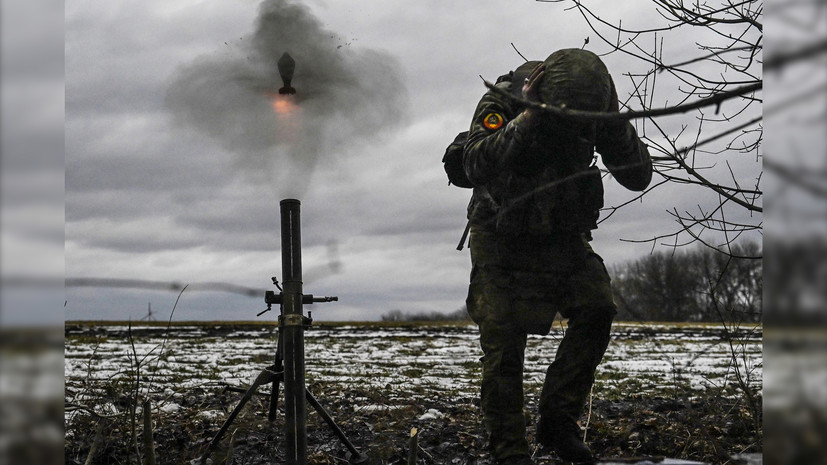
270	297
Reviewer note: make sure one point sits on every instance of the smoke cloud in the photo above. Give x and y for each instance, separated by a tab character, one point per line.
345	96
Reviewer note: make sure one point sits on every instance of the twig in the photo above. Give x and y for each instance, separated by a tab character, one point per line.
164	342
97	441
228	460
133	397
588	415
518	52
149	441
413	446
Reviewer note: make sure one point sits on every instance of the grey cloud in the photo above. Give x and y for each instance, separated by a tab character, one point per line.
141	190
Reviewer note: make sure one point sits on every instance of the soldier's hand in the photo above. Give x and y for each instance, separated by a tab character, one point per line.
530	91
531	83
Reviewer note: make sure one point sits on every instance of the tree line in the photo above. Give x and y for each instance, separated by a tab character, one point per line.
460	314
699	284
691	285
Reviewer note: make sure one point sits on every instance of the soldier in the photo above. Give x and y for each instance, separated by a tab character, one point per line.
537	195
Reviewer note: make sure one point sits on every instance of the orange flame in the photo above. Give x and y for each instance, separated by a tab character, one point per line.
288	116
283	105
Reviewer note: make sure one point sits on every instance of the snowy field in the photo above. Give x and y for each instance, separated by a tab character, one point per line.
416	360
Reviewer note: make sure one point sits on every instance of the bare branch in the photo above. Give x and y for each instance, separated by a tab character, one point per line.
716	100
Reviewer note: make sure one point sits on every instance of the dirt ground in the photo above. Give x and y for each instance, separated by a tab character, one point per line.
376	395
449	430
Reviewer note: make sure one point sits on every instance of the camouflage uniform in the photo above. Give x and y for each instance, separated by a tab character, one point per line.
536	198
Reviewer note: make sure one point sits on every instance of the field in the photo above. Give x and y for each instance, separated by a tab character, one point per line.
686	391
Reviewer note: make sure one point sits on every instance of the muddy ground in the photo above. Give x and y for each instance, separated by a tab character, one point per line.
449	430
703	425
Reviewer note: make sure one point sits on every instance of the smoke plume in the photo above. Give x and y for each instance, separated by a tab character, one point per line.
345	96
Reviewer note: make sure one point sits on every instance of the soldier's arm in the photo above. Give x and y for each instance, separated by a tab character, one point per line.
624	154
494	140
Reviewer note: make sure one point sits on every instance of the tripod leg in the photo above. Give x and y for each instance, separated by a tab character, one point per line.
266	376
274	393
356	456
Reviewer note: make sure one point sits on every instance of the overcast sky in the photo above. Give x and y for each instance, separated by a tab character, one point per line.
176	159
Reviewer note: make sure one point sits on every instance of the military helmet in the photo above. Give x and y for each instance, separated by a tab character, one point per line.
576	79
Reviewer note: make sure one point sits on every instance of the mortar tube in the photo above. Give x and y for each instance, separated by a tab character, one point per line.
293	322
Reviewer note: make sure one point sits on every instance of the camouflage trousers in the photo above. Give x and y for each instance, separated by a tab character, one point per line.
517	287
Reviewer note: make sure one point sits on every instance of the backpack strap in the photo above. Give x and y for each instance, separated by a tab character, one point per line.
464	237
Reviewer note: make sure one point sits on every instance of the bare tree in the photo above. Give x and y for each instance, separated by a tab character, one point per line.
658	287
691	284
702	61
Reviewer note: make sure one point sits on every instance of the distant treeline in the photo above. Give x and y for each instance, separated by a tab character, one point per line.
460	314
697	284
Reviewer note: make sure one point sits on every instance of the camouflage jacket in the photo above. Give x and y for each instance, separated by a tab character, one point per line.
544	181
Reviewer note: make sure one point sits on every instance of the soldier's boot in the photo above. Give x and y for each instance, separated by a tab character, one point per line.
563	436
504	418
